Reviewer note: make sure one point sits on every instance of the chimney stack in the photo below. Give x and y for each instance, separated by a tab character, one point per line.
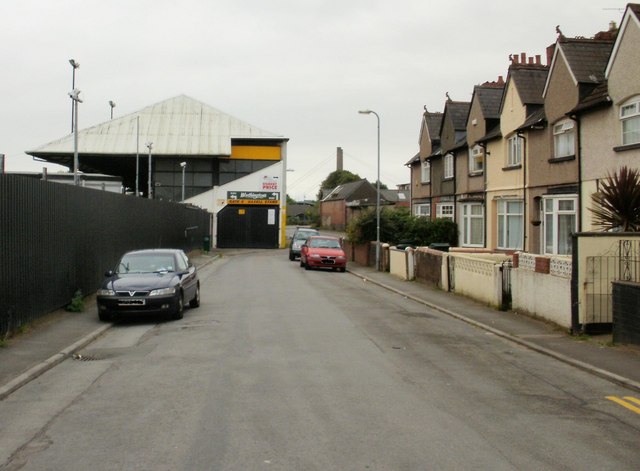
339	161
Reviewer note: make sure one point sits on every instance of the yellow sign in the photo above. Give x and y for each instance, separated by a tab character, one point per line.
263	202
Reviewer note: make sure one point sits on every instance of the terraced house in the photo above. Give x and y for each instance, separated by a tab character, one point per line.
518	173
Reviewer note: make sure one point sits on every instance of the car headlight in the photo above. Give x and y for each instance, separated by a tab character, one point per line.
162	292
105	292
341	257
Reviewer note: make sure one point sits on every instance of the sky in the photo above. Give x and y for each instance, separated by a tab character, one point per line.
297	68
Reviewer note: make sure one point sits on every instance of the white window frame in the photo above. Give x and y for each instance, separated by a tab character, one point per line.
630	121
514	151
425	172
510	215
445	211
468	216
422	210
552	214
476	159
564	139
448	166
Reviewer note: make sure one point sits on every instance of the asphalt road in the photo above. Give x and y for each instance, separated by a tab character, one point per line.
286	369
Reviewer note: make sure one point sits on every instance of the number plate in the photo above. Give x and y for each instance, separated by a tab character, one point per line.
131	302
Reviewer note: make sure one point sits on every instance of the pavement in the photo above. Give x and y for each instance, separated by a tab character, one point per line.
57	336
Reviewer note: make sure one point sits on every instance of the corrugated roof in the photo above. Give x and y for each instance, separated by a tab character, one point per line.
177	126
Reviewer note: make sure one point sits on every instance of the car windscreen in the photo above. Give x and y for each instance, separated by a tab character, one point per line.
325	243
146	263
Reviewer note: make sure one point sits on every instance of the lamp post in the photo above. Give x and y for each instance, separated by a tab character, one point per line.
149	191
75	99
75	65
377	191
137	156
112	104
184	168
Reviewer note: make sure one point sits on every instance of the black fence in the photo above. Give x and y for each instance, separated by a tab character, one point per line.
56	239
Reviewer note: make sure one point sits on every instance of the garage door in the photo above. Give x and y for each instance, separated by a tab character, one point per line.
248	227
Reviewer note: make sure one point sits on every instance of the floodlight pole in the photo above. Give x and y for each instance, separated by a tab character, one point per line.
184	168
149	191
75	65
75	98
377	191
137	156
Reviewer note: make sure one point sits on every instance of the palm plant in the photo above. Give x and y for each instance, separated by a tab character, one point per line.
617	203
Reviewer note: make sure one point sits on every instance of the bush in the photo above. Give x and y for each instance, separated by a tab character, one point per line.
77	303
398	225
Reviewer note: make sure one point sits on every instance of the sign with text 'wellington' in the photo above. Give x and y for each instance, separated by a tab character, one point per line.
253	197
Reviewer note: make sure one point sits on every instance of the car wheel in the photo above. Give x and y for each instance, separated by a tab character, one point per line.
195	302
343	269
301	262
178	313
291	256
307	266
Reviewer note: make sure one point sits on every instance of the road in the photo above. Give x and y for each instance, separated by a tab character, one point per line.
286	369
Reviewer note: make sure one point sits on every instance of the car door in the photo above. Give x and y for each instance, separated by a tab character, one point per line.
189	279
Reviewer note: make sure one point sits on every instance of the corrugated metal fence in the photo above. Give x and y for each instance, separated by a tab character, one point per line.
56	239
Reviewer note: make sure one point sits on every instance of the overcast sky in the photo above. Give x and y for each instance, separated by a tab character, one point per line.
297	68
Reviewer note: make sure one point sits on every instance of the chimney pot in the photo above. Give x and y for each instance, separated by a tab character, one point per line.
523	57
538	59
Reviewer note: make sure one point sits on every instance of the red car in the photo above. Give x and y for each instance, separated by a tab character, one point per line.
323	252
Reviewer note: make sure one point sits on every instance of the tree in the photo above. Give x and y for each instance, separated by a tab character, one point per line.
617	204
337	177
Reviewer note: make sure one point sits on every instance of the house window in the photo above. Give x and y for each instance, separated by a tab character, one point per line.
510	224
426	172
422	210
444	211
564	138
514	154
559	216
448	166
630	117
473	225
476	159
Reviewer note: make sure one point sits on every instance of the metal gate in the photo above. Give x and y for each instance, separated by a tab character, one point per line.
600	272
251	227
505	270
451	265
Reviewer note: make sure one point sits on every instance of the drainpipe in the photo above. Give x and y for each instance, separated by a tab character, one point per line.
484	189
524	189
575	119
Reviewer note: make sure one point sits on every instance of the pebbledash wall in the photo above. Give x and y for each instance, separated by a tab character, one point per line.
541	286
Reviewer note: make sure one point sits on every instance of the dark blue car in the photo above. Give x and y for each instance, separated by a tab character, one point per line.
149	282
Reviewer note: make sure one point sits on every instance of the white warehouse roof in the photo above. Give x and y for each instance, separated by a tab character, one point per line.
177	126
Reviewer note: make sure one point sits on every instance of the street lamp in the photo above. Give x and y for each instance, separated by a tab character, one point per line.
149	192
377	191
112	104
75	99
75	65
184	167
